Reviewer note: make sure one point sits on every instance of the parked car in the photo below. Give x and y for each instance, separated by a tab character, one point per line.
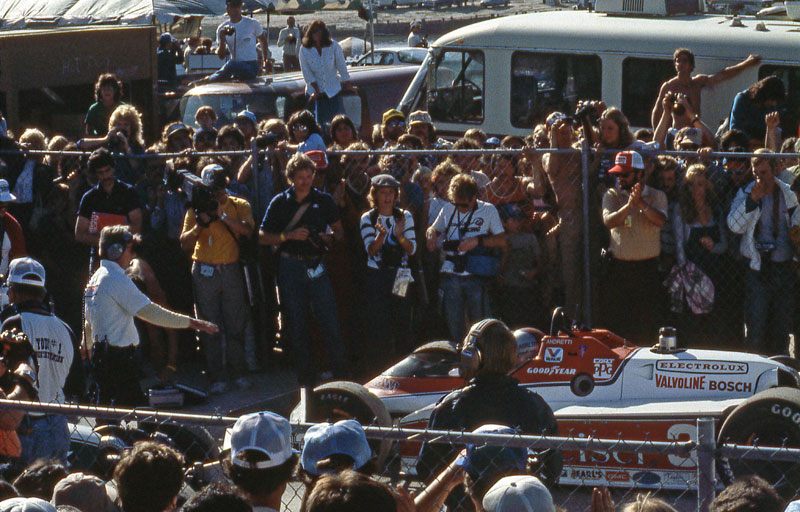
379	89
488	4
603	386
392	55
394	4
435	4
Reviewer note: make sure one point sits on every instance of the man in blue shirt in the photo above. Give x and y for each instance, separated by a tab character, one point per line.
297	221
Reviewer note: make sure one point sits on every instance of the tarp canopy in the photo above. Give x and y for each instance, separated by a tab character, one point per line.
17	14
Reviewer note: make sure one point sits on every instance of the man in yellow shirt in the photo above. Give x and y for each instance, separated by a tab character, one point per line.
212	232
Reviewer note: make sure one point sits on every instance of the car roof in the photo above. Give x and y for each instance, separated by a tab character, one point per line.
290	82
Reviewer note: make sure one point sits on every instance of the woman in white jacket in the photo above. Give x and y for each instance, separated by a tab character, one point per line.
324	71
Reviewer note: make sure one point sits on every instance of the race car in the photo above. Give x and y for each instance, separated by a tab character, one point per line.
602	386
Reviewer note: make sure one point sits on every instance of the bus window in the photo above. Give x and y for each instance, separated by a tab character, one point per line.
545	82
455	87
641	81
790	76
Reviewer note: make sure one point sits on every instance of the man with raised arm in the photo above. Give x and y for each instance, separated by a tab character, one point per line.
691	86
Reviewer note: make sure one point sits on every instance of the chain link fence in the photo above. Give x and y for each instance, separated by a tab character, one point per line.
686	470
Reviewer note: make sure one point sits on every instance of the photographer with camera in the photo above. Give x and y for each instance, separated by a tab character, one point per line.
17	382
296	222
289	40
42	435
124	139
111	301
236	41
466	230
212	229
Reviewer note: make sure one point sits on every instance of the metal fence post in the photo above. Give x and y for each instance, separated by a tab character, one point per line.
706	473
587	257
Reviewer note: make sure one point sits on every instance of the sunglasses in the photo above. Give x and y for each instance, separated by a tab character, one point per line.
396	123
299	127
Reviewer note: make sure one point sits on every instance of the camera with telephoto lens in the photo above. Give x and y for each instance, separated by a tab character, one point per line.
587	111
15	348
265	140
204	200
316	240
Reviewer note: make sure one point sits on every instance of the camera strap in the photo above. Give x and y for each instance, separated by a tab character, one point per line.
462	230
298	215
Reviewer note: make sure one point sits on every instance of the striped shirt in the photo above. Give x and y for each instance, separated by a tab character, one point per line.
368	234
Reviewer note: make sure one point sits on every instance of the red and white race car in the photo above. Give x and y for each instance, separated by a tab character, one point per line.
600	385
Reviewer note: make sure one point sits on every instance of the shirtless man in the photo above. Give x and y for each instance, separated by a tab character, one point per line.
691	86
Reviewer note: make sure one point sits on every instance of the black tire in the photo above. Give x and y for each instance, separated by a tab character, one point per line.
343	400
195	442
770	418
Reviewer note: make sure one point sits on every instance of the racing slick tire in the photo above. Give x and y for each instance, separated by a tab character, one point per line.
770	418
344	400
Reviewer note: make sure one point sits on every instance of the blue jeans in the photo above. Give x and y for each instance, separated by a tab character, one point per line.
240	70
297	291
769	305
43	437
465	301
326	108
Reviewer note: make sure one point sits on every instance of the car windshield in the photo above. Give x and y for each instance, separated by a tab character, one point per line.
413	56
425	364
264	106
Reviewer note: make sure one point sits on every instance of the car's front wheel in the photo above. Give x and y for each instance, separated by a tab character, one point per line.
343	400
770	419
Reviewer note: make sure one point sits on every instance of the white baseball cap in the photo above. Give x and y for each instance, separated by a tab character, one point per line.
520	493
26	271
264	432
208	172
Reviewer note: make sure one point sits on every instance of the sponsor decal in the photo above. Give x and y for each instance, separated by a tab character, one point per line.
387	384
618	476
603	368
582	350
786	411
552	370
702	382
586	474
704	367
553	354
559	341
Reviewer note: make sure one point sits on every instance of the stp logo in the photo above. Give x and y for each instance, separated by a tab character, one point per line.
553	355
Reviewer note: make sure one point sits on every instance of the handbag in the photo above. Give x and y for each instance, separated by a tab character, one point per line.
483	262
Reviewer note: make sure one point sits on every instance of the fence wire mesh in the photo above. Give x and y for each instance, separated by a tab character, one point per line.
673	470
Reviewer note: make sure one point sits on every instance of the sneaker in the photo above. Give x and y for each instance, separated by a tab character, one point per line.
243	383
218	388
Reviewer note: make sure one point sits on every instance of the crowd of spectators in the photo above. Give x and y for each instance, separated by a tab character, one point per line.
258	470
389	251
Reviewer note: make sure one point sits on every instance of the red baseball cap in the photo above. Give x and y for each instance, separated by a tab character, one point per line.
627	161
320	159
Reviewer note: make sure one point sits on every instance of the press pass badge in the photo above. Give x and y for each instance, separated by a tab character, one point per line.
315	272
206	270
401	281
628	221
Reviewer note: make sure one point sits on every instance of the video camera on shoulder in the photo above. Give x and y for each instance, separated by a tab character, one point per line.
201	198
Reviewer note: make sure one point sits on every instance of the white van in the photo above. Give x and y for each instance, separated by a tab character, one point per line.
504	75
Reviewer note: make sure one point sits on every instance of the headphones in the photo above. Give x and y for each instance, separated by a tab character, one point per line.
471	358
115	250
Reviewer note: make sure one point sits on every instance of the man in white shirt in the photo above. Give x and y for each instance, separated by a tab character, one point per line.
44	436
464	230
289	40
236	40
111	302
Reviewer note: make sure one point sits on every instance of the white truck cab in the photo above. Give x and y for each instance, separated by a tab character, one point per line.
506	74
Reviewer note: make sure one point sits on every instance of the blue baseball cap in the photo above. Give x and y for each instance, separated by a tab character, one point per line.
344	437
486	460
